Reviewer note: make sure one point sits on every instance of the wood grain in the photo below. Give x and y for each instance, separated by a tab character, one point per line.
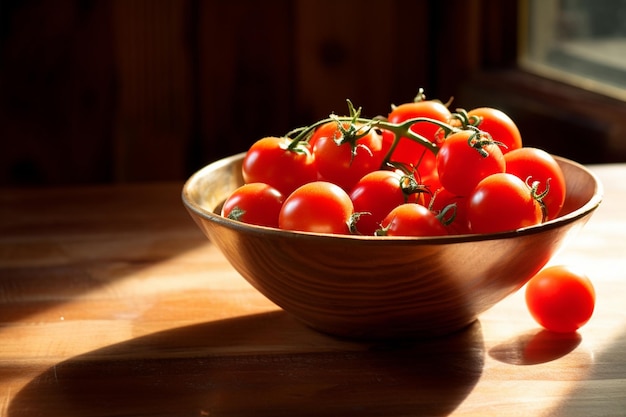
373	287
113	303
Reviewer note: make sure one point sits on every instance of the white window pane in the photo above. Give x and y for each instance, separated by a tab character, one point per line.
577	41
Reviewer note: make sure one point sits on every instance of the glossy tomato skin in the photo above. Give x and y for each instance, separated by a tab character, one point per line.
560	298
460	166
408	151
337	164
411	219
443	198
499	125
538	165
270	161
254	203
501	202
374	196
319	206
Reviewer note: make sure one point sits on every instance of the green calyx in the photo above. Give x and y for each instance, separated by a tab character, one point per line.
479	140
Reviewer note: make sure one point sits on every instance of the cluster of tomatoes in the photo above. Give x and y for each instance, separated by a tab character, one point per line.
421	171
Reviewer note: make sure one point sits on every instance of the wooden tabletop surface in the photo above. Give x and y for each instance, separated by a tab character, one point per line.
112	303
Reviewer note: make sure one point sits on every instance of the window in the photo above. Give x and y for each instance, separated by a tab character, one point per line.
581	42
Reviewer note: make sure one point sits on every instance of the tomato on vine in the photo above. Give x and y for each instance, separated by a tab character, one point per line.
318	206
442	198
377	193
346	153
499	125
560	298
254	203
533	164
274	161
465	158
408	151
411	219
502	202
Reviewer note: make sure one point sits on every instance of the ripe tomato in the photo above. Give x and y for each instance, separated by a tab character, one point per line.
345	163
254	203
376	194
499	125
411	219
538	165
464	159
270	161
318	206
441	199
560	298
408	151
502	202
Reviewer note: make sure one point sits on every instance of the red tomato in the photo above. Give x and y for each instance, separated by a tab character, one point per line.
376	194
271	162
534	164
501	202
560	298
411	219
408	151
254	203
499	125
326	130
431	184
320	207
441	199
346	163
464	159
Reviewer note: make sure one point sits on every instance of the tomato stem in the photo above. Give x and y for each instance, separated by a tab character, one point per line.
539	196
354	132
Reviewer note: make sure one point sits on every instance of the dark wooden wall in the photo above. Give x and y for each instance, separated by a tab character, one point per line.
95	91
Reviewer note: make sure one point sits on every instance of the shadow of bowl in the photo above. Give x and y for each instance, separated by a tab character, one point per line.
243	366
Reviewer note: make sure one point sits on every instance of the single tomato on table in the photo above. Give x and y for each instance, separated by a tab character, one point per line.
560	298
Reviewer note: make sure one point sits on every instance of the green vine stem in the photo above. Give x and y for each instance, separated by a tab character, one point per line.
400	130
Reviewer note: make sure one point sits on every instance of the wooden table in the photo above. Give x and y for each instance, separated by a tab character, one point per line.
112	303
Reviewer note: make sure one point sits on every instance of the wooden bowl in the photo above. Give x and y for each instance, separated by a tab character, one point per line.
384	287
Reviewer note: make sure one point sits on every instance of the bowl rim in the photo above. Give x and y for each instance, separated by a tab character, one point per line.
559	221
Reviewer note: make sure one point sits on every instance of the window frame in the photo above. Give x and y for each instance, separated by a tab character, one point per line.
564	118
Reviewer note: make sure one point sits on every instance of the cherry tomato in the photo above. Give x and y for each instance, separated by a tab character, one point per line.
411	219
499	125
408	151
534	164
443	198
270	161
376	194
431	184
326	130
560	298
255	203
346	163
318	206
502	202
465	158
